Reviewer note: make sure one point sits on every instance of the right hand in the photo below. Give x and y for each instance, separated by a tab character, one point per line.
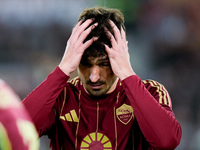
75	46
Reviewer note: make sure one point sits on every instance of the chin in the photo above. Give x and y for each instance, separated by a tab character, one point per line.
97	93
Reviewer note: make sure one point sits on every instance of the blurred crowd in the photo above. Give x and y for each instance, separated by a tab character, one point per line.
164	43
172	29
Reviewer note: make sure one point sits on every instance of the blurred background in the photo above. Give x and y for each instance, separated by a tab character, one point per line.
164	44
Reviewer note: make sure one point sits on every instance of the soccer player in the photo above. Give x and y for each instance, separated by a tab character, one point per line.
108	106
17	132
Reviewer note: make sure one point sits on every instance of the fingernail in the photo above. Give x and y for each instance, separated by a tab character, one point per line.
96	24
96	38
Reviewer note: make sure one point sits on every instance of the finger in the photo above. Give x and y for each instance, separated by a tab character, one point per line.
123	34
82	27
89	42
108	50
110	37
76	27
116	31
85	33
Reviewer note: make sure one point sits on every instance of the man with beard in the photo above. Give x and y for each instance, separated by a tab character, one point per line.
107	106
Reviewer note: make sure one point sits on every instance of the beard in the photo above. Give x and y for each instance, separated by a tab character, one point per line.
97	92
102	91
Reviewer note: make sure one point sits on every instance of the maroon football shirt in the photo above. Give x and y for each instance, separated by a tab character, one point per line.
136	115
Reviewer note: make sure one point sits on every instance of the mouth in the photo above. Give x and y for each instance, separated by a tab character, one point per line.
96	86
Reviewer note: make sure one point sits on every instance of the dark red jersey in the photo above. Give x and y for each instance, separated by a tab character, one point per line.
17	132
136	115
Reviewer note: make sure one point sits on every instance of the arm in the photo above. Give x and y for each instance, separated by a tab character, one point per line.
156	121
41	101
158	124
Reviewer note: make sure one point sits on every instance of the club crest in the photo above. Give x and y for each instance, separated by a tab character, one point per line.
124	113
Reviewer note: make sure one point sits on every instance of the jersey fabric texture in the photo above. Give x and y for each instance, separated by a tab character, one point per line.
136	115
17	132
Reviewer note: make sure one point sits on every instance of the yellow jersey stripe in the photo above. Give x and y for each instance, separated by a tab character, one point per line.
164	97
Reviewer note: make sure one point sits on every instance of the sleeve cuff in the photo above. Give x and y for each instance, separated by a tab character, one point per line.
59	72
130	79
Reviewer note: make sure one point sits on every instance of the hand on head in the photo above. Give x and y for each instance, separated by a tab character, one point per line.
76	47
118	54
110	39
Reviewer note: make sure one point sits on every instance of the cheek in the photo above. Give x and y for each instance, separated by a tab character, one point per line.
84	73
107	73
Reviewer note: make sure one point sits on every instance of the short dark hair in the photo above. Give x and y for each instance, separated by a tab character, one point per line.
101	15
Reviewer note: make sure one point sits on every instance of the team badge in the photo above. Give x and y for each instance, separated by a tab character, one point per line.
124	113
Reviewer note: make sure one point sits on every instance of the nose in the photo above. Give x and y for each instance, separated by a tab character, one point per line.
95	74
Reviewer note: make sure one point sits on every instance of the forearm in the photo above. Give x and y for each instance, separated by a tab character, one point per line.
39	103
158	124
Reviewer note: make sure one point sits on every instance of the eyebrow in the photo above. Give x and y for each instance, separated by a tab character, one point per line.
103	59
98	60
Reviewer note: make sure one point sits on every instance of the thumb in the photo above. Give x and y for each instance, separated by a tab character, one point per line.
107	49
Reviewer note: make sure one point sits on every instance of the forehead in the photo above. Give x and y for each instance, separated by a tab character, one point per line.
98	59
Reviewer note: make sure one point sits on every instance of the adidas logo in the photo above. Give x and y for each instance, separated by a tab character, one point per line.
71	116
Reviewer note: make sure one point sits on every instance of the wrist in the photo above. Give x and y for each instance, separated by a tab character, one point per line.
64	69
127	74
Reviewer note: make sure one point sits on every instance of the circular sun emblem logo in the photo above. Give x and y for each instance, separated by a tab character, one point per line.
96	141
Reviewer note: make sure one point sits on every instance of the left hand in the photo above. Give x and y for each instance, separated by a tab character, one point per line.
118	54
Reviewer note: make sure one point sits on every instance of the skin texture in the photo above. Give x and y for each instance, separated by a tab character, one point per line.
99	75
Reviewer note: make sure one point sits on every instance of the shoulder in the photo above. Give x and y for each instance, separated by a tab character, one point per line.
158	91
75	81
73	85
